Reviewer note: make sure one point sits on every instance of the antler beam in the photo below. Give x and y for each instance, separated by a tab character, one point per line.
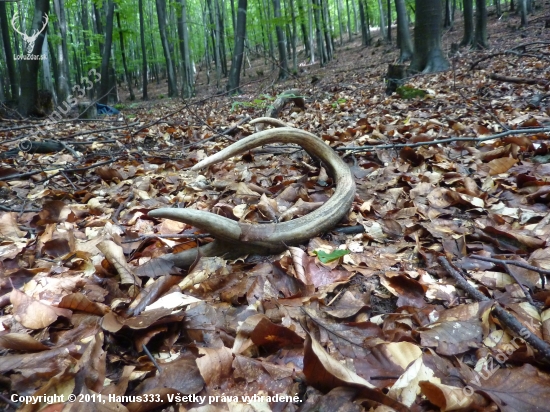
234	239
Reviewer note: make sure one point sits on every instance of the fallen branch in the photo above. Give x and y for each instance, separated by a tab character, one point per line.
449	140
540	271
519	80
505	318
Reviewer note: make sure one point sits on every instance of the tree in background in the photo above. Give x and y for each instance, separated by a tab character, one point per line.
106	83
8	51
468	38
238	51
404	41
428	56
281	42
480	36
29	68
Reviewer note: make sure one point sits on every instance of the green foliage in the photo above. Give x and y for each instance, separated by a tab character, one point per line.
338	102
260	103
408	92
332	256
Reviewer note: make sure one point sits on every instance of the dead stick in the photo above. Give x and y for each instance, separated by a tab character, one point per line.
503	316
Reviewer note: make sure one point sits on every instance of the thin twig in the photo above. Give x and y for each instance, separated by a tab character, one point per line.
503	316
540	271
449	140
122	206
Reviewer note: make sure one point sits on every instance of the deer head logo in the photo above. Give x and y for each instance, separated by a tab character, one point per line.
29	40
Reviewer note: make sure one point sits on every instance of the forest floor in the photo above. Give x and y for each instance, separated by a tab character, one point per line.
379	318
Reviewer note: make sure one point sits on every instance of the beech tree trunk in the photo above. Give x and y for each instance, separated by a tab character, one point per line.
480	37
8	51
428	56
29	68
281	43
123	52
468	38
172	83
63	83
105	60
143	50
238	51
403	34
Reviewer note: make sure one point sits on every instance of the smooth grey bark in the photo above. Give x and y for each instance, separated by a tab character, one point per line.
448	21
404	39
281	41
311	35
382	20
303	27
143	50
105	59
8	51
480	36
349	19
85	26
220	13
294	37
340	24
63	82
365	34
188	83
238	51
127	73
29	68
388	15
428	56
172	82
327	24
468	38
522	5
319	33
46	71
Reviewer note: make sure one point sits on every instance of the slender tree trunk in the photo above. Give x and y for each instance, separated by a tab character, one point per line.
123	52
327	24
29	68
428	56
448	22
349	20
143	50
188	87
403	34
340	22
85	26
480	37
281	42
172	82
303	27
365	40
522	5
312	39
293	38
48	84
382	20
62	52
8	51
319	33
105	72
468	38
389	21
238	51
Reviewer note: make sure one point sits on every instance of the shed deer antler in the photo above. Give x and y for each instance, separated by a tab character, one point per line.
30	40
234	239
